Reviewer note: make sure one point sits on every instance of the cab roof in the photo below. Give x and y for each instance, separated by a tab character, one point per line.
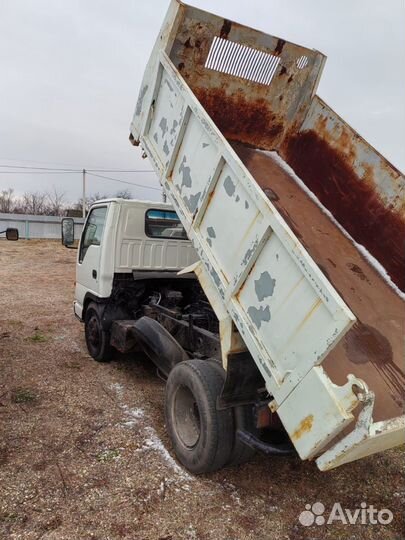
134	202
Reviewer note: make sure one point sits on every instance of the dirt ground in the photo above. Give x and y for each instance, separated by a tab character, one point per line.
84	453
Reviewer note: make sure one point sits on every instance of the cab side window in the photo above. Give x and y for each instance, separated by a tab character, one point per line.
93	230
164	224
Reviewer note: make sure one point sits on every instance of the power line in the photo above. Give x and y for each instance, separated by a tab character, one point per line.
122	181
66	166
38	168
37	161
55	169
123	170
92	172
39	172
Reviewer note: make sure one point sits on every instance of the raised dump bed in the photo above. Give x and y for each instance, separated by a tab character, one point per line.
299	224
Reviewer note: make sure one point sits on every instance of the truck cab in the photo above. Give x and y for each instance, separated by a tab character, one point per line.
126	240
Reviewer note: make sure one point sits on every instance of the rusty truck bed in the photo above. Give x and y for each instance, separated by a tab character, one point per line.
373	349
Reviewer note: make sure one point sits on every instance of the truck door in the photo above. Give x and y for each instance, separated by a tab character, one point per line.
88	261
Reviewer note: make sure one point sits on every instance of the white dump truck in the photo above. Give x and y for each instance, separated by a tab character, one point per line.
284	328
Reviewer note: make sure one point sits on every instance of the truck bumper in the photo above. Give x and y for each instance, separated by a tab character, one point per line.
78	311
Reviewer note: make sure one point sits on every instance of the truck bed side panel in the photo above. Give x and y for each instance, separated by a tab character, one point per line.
285	309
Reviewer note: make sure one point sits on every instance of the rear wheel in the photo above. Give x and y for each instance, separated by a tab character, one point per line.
202	436
97	339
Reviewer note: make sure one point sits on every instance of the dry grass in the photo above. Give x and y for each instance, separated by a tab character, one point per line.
83	445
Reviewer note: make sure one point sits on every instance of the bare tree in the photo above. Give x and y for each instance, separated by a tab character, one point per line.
7	201
51	203
55	203
90	200
97	197
123	194
34	202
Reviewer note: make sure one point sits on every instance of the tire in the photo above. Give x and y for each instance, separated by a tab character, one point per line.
97	339
202	436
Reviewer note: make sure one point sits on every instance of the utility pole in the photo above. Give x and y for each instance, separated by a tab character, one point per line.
84	193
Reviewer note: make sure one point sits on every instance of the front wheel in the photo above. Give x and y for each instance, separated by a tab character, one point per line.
202	436
97	339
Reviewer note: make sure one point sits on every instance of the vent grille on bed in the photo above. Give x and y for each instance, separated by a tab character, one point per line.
241	61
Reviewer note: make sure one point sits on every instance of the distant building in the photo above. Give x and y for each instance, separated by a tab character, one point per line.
72	212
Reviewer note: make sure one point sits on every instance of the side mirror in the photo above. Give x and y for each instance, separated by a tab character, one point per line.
12	234
68	231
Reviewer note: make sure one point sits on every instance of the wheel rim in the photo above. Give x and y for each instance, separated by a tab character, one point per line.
93	334
186	416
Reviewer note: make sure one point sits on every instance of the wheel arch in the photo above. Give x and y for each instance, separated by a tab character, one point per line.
88	299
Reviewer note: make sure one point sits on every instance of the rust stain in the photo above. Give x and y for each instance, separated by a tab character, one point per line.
308	316
304	427
226	28
345	144
342	138
279	47
354	203
321	124
363	344
238	118
358	272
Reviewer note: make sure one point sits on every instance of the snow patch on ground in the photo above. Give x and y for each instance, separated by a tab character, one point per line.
366	254
153	442
233	492
118	389
75	347
134	415
137	417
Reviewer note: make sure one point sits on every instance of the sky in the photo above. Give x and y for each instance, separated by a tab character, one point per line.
70	72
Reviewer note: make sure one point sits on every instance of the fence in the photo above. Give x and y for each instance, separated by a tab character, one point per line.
30	226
